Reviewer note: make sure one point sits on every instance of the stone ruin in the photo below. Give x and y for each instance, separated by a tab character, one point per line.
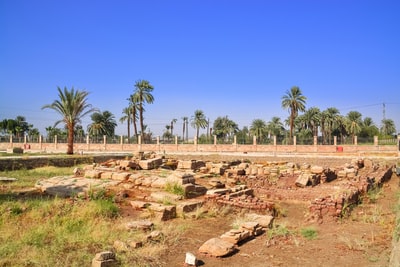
241	184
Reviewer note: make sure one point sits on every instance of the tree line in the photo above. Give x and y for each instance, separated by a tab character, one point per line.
72	105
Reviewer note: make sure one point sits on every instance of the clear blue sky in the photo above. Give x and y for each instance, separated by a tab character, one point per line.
234	58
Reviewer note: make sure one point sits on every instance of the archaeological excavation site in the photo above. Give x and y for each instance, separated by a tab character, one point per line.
245	211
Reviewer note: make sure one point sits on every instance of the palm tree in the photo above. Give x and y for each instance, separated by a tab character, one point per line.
258	128
172	126
103	124
388	127
141	96
134	107
184	127
224	128
72	106
353	123
128	118
330	122
198	121
294	101
275	127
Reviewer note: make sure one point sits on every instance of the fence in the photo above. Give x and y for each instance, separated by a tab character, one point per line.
275	145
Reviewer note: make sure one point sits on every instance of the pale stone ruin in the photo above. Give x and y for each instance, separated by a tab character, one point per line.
143	181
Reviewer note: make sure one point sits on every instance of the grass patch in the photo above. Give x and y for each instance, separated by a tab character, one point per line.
309	233
175	188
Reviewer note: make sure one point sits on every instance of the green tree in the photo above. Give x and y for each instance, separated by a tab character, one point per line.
294	101
388	127
103	123
259	129
275	127
353	123
126	116
141	96
224	128
173	121
330	121
72	106
134	107
368	128
198	121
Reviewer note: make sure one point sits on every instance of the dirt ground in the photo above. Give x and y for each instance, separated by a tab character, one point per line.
362	238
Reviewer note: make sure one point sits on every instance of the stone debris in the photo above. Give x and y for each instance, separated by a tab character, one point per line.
143	225
217	247
190	259
104	259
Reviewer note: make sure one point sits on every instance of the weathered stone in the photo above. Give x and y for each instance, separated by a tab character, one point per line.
302	180
161	196
221	191
121	176
106	175
92	174
159	183
236	236
189	206
140	225
317	169
136	204
150	164
135	244
104	259
217	247
165	212
190	259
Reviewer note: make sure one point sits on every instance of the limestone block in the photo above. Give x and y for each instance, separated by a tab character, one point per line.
106	175
121	176
221	191
264	221
165	212
190	259
217	247
159	183
161	196
137	204
92	174
104	259
139	225
317	169
149	164
189	206
302	180
235	236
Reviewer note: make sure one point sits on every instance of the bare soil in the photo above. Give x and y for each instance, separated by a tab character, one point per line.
361	238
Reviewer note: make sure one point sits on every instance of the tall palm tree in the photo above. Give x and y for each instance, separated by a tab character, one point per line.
198	121
294	101
134	107
224	128
103	124
330	122
258	128
173	121
184	127
388	127
128	118
141	96
353	123
275	127
72	106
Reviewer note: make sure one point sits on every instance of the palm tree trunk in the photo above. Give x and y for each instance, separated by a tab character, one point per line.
70	139
129	130
141	122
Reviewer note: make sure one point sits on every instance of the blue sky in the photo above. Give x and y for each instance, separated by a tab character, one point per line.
234	58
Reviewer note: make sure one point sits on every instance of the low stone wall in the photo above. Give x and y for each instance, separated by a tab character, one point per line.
8	164
168	148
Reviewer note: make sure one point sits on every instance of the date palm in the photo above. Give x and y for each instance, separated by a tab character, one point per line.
141	96
184	127
294	101
388	127
353	123
72	106
258	128
103	124
198	121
